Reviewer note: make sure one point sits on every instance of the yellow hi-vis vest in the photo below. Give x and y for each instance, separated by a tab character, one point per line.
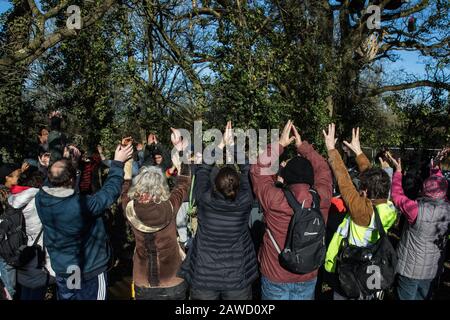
359	236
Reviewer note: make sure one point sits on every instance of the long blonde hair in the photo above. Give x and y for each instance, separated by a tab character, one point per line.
152	181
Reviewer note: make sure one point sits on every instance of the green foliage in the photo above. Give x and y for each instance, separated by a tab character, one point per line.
142	68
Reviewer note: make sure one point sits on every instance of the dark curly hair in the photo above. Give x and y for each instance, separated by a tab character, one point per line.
377	183
227	182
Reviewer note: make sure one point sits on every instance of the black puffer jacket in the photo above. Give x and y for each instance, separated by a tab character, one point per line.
222	256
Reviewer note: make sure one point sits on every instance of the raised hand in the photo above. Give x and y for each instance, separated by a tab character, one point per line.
384	164
55	114
227	139
25	167
286	138
298	138
228	136
123	153
151	139
330	140
397	163
71	151
442	154
176	161
178	142
44	160
355	145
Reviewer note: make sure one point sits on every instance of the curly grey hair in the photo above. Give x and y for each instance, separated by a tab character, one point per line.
150	180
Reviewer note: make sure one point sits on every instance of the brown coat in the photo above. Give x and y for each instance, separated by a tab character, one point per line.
156	263
359	206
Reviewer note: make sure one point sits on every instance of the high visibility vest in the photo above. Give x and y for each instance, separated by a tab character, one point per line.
359	236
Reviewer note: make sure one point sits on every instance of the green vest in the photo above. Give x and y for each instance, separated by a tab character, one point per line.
359	236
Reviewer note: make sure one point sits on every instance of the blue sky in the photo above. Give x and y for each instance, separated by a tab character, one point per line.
4	5
409	61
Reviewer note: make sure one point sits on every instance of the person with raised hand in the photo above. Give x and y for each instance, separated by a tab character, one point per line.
374	191
73	228
155	153
151	210
305	171
222	242
424	237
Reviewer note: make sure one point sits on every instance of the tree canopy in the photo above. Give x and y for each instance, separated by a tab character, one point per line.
143	66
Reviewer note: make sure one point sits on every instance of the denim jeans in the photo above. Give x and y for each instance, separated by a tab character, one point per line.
92	289
8	275
242	294
37	294
413	289
287	291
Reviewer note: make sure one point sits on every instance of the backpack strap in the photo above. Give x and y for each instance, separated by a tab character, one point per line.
38	236
275	244
378	223
316	199
293	203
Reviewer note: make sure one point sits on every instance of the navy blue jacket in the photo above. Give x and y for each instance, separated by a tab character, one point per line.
74	232
222	256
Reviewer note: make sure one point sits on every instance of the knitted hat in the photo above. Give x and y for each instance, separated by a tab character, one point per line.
298	170
6	170
435	187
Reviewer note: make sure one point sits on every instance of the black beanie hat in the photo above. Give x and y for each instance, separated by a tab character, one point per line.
6	170
298	170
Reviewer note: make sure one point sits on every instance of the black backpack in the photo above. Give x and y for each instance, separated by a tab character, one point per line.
305	247
357	266
13	238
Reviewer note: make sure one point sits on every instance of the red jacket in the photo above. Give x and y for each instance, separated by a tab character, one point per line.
278	213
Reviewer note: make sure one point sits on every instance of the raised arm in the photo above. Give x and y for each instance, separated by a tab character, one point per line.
244	168
322	173
202	180
408	207
128	174
263	182
360	208
112	188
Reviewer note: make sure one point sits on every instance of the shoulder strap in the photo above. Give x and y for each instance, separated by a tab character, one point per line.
275	244
378	223
191	191
316	198
38	237
293	203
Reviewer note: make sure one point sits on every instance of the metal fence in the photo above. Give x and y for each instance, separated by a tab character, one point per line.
404	153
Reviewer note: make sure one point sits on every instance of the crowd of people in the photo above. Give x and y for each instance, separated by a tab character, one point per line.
194	223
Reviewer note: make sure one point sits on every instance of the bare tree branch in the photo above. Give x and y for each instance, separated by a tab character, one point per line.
410	85
41	44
